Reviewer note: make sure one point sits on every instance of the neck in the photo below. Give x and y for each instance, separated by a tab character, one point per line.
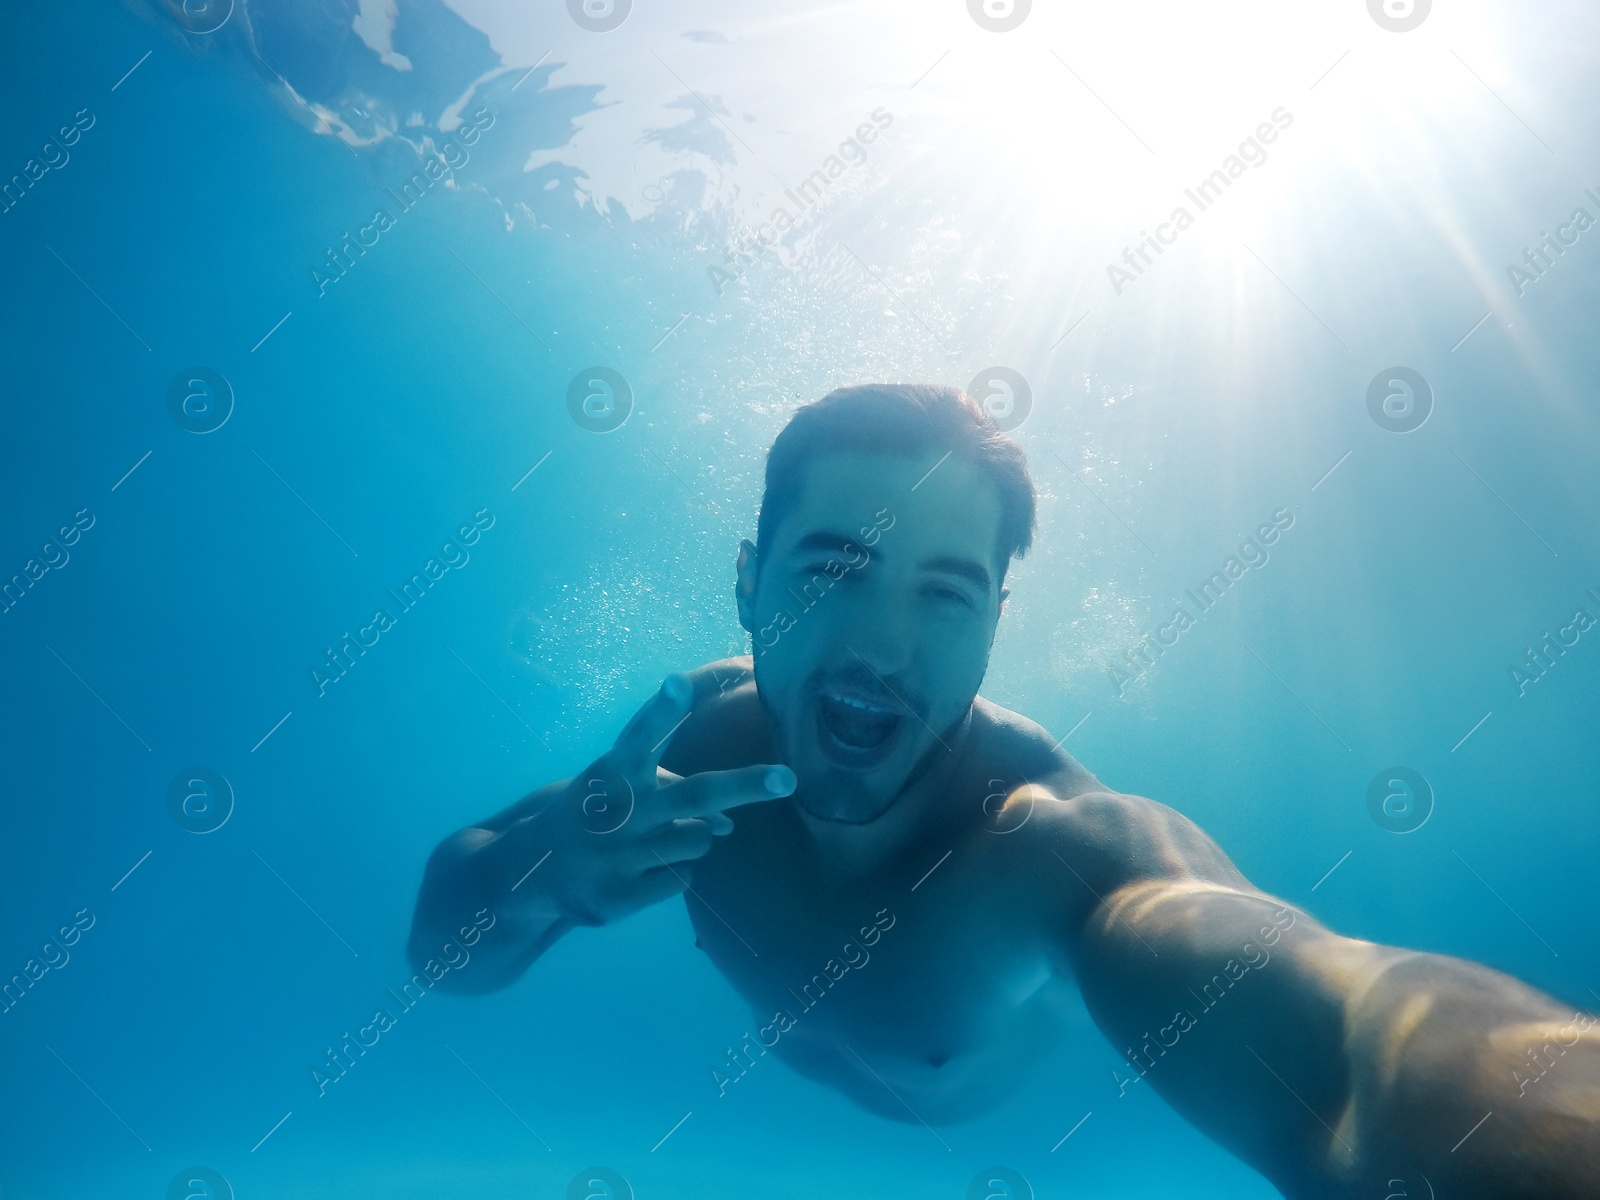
848	851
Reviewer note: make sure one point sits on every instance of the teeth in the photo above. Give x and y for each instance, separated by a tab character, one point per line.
861	705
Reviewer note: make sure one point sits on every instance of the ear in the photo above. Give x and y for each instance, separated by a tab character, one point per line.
745	588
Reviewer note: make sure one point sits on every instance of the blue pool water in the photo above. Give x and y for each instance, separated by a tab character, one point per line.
185	205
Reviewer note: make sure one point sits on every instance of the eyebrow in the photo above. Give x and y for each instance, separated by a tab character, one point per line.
945	564
823	540
965	568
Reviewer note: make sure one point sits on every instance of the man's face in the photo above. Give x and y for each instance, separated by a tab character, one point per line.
872	614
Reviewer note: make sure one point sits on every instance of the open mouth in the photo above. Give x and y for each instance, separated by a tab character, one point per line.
854	730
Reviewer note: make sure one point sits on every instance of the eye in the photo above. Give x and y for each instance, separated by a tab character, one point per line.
950	594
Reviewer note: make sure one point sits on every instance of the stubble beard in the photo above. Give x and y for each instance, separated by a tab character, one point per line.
838	796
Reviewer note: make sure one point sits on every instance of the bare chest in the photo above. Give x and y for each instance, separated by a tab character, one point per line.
925	985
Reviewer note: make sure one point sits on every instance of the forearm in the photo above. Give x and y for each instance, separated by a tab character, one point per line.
473	882
1338	1066
1475	1080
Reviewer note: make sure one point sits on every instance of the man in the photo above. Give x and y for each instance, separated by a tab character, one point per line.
847	783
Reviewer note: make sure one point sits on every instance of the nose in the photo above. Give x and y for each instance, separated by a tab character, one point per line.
882	639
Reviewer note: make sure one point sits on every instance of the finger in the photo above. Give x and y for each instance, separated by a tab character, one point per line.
643	741
681	841
714	791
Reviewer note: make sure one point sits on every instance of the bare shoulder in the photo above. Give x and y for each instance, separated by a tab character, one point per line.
1107	838
1120	838
726	727
1072	812
1008	746
1111	861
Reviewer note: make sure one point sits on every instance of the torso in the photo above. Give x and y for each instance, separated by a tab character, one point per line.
948	990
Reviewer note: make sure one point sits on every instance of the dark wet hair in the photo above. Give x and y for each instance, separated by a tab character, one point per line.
901	418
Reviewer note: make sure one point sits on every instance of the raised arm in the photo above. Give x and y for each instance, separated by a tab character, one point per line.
1336	1067
620	835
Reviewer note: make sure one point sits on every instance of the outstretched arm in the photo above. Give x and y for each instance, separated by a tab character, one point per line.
1336	1067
